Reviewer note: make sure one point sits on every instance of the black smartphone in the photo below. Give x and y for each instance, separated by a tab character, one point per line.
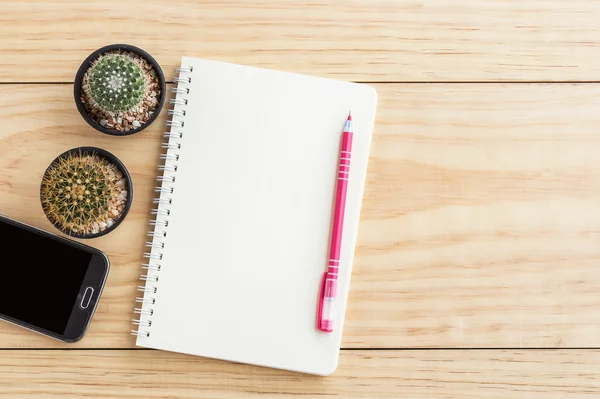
48	284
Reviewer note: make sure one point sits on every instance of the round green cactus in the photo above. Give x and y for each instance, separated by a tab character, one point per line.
115	83
79	192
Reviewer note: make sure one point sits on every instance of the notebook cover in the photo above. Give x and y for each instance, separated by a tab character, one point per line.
249	223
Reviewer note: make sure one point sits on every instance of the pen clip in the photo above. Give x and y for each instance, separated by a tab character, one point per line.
320	306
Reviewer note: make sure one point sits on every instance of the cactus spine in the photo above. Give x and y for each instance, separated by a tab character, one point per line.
83	193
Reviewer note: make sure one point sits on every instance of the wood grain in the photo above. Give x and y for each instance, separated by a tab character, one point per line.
361	374
481	220
480	224
364	40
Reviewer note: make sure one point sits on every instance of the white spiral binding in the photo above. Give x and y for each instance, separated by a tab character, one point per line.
168	168
175	101
143	311
176	112
184	69
163	223
168	190
166	178
157	233
169	157
164	190
161	201
148	266
159	245
175	123
162	212
182	80
171	146
174	135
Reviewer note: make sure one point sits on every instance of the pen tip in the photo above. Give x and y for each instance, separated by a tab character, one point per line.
350	115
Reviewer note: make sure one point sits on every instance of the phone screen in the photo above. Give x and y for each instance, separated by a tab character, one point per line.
39	278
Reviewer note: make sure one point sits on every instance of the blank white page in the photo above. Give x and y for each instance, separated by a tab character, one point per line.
248	231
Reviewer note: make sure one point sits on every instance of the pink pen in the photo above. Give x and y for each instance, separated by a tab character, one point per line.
326	311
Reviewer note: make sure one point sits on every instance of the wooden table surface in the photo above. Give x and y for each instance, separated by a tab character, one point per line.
477	266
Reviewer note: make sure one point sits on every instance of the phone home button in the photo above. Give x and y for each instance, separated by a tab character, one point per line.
87	297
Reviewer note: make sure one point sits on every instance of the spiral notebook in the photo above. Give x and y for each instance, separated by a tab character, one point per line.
243	215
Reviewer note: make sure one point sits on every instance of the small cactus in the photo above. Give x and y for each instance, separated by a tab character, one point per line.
83	193
115	83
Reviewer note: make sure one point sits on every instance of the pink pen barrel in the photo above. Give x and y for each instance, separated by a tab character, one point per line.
340	199
326	311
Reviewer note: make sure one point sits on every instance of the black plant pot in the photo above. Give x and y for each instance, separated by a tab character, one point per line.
86	65
115	161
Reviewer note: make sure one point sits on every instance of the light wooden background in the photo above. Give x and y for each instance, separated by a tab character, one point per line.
477	268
